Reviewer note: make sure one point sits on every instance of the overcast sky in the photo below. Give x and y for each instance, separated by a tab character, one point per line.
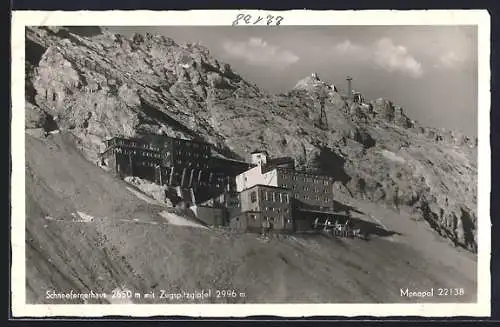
429	70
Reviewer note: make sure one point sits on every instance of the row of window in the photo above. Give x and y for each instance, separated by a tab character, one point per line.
149	147
138	152
275	196
309	179
145	145
191	164
272	219
128	143
270	196
283	197
125	151
196	155
152	155
308	197
194	145
278	210
148	164
307	188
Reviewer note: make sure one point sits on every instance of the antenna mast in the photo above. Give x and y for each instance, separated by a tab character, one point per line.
349	87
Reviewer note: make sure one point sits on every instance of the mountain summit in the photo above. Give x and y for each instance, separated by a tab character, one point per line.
313	82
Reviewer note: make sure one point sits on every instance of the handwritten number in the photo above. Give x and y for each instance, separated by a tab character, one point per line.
269	19
238	17
258	20
247	19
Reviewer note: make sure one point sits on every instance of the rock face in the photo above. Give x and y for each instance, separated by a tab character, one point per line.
98	84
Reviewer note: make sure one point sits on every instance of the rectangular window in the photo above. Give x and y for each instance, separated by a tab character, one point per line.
281	197
253	197
286	197
273	196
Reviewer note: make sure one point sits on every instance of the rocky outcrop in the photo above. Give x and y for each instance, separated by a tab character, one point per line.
98	84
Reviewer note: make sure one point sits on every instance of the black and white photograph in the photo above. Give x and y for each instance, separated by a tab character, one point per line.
257	162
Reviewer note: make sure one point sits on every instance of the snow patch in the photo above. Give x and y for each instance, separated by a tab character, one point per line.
179	221
392	156
85	218
142	196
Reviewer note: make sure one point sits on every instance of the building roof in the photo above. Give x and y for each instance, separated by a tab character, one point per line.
218	156
330	212
268	168
280	160
146	137
266	186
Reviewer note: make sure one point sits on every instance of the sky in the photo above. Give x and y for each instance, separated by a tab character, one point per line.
431	71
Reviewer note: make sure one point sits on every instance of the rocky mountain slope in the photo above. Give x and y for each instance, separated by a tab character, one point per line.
97	85
86	230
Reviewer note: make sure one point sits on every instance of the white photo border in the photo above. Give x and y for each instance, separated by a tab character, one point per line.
21	19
